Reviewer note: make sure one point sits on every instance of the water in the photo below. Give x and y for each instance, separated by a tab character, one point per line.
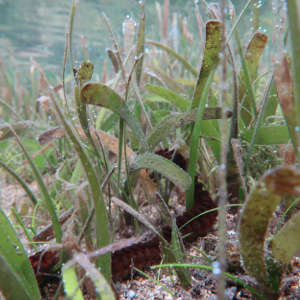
34	28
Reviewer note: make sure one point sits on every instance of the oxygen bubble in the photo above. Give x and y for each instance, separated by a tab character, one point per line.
216	268
258	4
131	294
222	166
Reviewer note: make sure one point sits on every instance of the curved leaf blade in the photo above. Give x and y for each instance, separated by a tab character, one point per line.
267	135
10	283
257	212
71	284
14	260
103	288
102	95
182	103
285	91
210	59
250	65
286	243
163	166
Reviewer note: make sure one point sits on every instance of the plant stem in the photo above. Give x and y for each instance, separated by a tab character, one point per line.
294	30
43	190
220	267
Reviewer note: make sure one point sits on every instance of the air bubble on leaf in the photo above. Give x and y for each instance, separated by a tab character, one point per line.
227	109
258	4
17	248
222	167
231	233
216	268
131	294
136	57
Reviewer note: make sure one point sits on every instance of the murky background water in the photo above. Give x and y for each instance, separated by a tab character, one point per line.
37	28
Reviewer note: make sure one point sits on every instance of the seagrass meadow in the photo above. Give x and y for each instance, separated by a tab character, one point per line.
159	160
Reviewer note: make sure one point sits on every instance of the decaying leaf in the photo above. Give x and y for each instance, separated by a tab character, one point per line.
257	212
284	87
85	72
102	95
284	180
252	58
286	152
210	59
286	243
20	128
